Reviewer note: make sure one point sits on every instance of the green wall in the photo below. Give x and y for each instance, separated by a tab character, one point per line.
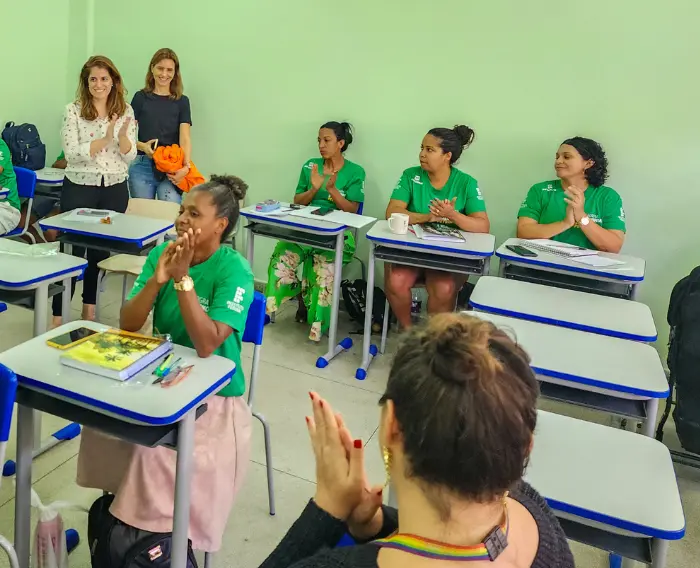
33	72
525	75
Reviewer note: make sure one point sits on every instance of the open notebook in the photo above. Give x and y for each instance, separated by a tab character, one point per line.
559	249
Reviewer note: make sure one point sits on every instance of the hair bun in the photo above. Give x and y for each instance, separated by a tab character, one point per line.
465	134
234	184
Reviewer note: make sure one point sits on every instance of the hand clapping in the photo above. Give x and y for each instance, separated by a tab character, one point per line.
316	177
176	259
443	208
576	200
125	127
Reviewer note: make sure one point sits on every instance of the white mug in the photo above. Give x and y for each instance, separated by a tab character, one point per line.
398	223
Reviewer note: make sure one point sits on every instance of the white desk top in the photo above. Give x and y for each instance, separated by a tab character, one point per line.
38	368
631	271
588	359
565	308
27	271
294	222
477	244
124	228
50	176
605	475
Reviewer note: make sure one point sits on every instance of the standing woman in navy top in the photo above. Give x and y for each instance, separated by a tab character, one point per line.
164	119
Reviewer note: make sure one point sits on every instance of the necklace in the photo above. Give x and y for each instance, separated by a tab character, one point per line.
494	543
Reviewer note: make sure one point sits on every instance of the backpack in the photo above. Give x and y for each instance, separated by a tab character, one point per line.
354	298
26	147
114	544
684	361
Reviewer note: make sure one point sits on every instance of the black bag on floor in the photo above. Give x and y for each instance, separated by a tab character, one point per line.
114	544
355	300
684	361
26	147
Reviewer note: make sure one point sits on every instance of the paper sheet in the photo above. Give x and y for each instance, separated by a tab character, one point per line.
597	261
281	212
339	217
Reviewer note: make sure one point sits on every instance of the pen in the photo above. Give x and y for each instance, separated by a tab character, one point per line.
166	371
159	368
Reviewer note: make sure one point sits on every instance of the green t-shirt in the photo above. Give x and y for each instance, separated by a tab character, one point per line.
224	287
350	183
8	180
415	190
545	204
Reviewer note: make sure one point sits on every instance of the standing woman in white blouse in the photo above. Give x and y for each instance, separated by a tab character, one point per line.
99	141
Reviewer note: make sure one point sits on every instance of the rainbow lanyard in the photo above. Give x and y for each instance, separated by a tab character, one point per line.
490	549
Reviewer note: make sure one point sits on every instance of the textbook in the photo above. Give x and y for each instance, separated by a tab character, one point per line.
116	354
438	232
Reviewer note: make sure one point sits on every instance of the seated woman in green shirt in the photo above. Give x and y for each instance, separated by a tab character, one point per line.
329	182
576	208
199	292
435	192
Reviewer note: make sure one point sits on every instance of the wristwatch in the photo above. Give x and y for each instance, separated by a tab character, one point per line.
184	285
584	221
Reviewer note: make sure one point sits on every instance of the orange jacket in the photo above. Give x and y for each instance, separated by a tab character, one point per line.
169	159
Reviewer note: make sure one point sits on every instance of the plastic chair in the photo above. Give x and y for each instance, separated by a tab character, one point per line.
129	264
26	184
8	390
254	331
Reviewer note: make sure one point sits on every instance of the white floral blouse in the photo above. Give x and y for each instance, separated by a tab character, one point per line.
109	164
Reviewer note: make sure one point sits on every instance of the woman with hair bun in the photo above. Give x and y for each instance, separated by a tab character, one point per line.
456	429
435	192
328	182
199	291
576	208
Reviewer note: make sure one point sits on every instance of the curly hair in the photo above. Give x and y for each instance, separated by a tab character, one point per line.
116	102
227	193
591	150
454	140
465	399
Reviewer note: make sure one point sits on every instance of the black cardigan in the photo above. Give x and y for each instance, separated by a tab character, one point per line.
309	542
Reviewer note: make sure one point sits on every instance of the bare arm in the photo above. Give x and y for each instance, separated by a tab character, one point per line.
306	197
206	334
135	312
340	202
605	240
186	142
530	229
473	223
397	206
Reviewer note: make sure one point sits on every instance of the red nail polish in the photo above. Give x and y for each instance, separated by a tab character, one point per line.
307	419
358	444
321	403
311	396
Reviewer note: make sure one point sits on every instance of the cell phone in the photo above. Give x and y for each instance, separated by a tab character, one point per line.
295	206
322	212
93	212
71	338
522	251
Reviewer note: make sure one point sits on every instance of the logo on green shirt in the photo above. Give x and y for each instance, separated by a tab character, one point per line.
237	304
204	302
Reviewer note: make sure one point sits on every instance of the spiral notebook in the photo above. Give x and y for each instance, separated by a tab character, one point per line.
558	249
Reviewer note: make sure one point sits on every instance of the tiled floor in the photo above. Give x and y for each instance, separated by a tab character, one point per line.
287	373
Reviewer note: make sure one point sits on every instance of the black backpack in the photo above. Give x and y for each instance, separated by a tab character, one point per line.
355	300
26	147
684	362
114	544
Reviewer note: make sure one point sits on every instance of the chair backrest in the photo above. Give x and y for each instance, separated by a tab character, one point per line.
8	390
255	324
360	207
155	209
26	182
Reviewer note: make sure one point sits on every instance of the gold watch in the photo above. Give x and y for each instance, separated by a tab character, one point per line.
184	285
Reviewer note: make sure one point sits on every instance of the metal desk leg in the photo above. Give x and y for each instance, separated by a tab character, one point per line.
369	351
250	248
183	482
649	426
487	267
65	301
70	431
659	551
502	268
634	288
333	349
25	434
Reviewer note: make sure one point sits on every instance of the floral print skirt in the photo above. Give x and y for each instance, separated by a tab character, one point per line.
296	269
